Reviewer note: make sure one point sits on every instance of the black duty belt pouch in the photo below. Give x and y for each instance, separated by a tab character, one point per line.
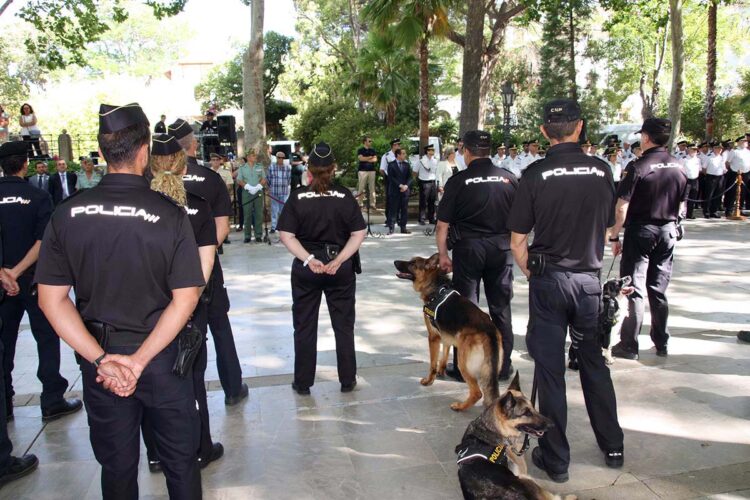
324	252
536	263
99	331
208	290
454	236
189	342
357	263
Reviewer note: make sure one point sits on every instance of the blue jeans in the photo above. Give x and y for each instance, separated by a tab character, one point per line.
276	207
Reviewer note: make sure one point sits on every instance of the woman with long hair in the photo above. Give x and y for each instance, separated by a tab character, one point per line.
167	165
322	226
30	132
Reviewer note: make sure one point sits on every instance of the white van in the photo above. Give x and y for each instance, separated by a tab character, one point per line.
623	131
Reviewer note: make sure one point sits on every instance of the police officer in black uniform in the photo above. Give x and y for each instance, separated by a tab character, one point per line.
207	184
167	168
24	213
322	226
474	209
651	199
131	255
567	199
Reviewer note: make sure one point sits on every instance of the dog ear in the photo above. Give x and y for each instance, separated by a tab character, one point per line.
515	384
433	262
507	403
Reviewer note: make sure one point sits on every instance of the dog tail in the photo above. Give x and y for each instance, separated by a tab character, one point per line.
492	392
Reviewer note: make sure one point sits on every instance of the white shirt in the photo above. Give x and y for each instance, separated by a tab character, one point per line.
616	168
64	182
692	166
715	165
739	160
681	155
498	160
528	160
460	161
387	158
513	165
426	168
27	129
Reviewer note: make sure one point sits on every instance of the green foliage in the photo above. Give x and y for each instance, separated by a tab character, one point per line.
728	122
447	130
20	74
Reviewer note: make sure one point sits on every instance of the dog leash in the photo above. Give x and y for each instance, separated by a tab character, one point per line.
527	438
611	267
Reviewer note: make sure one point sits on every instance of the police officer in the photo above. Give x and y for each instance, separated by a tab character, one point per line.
386	160
167	166
426	169
475	209
207	184
651	198
322	226
24	213
567	200
131	255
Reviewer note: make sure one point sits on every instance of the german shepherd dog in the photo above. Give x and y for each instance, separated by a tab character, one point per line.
614	292
488	464
460	323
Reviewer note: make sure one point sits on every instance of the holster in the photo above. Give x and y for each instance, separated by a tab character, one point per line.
357	263
100	331
454	236
536	263
324	252
208	290
189	342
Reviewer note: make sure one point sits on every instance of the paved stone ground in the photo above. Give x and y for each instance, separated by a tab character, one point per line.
687	433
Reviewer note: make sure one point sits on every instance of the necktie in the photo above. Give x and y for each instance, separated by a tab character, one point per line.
64	185
39	181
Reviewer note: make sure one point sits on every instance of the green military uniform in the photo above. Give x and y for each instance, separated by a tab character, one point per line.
252	204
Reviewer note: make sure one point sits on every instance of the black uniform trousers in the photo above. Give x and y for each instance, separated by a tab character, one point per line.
167	402
558	300
478	260
427	198
730	199
227	361
647	254
6	447
240	208
693	194
387	201
398	204
205	446
339	289
47	344
713	187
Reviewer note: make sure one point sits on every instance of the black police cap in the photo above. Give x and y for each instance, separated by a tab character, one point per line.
13	148
321	155
478	139
562	111
656	126
741	139
165	145
115	118
429	147
716	144
395	141
179	129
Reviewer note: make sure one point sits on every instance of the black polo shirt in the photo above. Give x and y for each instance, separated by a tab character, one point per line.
24	213
568	200
328	217
124	248
478	200
366	166
654	185
201	220
209	185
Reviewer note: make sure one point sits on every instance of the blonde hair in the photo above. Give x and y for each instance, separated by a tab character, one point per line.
168	172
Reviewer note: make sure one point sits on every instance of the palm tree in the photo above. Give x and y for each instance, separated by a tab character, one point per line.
414	22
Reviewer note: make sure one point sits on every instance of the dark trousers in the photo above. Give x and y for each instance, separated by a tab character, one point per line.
167	402
387	202
240	208
712	194
6	447
32	144
485	260
307	289
647	254
559	300
227	361
427	198
398	204
693	189
47	344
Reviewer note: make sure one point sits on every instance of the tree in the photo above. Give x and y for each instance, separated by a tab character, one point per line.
678	64
713	7
253	107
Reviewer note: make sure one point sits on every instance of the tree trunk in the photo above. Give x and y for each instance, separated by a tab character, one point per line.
253	105
4	6
713	8
471	81
678	63
572	53
485	85
424	93
357	41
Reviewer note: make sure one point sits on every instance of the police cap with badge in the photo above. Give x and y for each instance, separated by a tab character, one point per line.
561	111
656	126
478	141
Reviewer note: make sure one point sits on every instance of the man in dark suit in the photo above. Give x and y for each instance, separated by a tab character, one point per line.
63	183
400	181
40	180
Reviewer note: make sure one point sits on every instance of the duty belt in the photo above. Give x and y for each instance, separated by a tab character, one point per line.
555	267
106	335
431	307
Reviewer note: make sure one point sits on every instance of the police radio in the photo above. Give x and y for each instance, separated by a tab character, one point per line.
584	134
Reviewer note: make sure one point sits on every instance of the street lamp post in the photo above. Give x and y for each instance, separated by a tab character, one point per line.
509	95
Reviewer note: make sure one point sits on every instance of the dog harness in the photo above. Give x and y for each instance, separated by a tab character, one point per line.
493	454
431	307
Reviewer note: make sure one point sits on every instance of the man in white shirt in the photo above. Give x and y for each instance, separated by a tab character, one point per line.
738	162
532	156
692	166
627	154
681	152
460	155
512	162
498	159
386	159
426	169
714	168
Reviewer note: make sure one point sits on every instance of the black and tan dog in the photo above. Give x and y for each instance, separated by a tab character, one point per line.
488	464
453	320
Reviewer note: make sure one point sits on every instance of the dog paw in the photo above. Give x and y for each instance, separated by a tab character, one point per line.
458	406
441	373
427	381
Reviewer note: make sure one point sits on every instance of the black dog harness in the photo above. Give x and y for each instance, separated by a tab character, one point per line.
433	304
497	455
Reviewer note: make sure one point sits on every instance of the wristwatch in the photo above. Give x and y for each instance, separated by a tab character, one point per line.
614	240
98	361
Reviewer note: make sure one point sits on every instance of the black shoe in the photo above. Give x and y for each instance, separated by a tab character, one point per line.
272	231
19	467
390	230
217	451
743	335
618	351
348	387
661	351
233	400
614	458
716	216
538	459
154	466
247	240
422	223
506	373
239	229
691	217
61	408
227	241
259	240
302	391
453	372
405	231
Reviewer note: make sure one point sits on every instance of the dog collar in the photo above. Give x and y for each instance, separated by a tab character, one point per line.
494	454
431	307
